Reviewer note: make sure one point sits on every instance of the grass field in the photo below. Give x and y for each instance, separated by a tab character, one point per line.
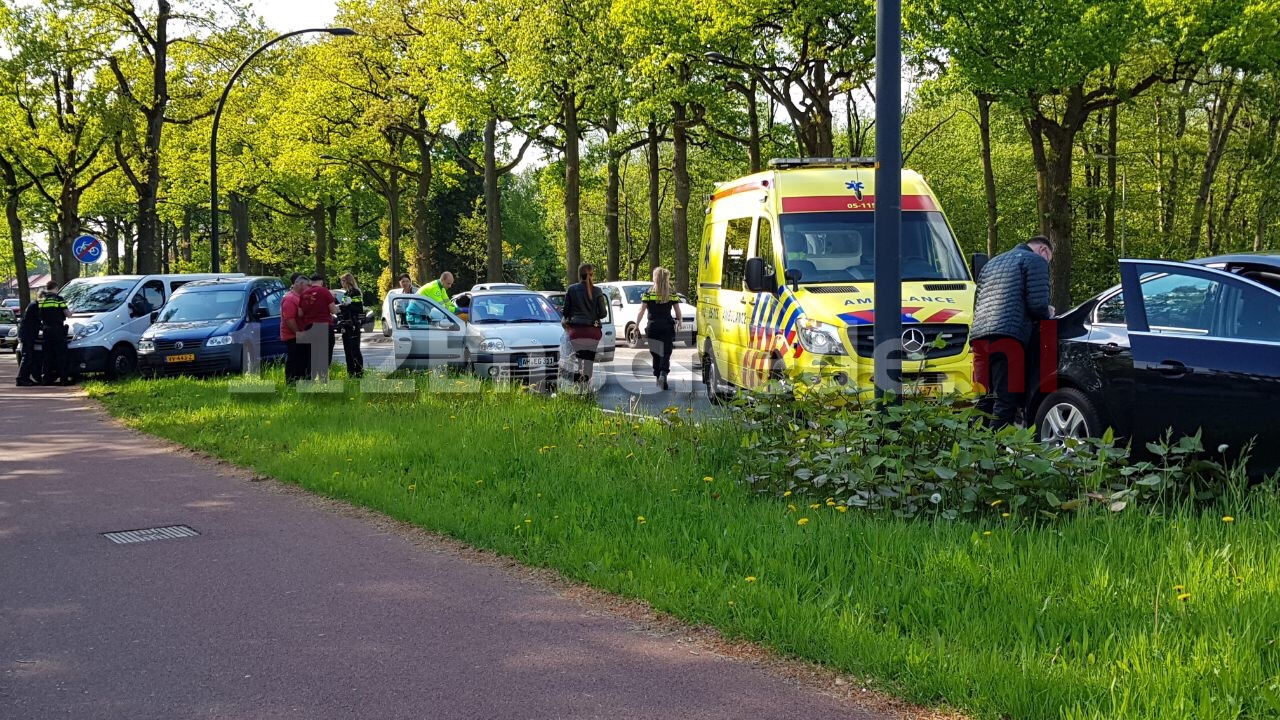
1098	616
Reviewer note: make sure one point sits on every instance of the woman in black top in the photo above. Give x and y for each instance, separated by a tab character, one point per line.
665	321
350	318
584	307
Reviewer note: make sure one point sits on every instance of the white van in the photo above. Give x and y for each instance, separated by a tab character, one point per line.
109	314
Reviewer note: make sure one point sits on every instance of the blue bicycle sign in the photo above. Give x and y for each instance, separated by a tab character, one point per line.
87	249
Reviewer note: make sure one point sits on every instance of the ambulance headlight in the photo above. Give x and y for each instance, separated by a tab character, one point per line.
821	339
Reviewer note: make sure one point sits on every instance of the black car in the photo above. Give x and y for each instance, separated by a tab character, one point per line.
1188	346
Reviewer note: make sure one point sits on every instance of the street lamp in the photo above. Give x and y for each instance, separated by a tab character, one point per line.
215	260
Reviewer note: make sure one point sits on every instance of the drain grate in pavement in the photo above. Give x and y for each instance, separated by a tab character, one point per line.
124	537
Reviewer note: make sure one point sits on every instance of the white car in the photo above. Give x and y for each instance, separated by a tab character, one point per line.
625	296
512	334
480	287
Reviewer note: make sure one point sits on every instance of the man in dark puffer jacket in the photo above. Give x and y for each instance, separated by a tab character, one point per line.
1013	295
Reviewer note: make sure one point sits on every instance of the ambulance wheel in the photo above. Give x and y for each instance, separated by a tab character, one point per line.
712	380
122	361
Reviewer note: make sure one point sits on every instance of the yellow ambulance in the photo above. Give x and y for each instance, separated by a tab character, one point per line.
804	230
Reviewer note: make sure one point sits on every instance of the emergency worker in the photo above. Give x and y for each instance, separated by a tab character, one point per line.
438	290
53	320
32	367
350	318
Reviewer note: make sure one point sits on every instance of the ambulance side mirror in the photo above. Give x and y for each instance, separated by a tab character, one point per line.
793	278
759	275
978	261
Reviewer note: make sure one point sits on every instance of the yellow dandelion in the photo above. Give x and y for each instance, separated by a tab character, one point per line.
527	521
842	508
785	494
997	503
831	503
815	506
1004	514
791	508
413	487
986	533
640	519
1178	588
1183	597
453	417
1228	519
802	521
709	479
751	578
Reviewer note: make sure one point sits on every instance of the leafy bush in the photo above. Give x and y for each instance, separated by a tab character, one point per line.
935	458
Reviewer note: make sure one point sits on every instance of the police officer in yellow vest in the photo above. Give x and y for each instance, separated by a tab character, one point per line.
438	290
53	317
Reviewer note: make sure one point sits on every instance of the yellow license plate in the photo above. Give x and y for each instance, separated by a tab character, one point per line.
921	390
189	357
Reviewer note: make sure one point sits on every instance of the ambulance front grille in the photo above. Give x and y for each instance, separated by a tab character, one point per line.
820	289
954	337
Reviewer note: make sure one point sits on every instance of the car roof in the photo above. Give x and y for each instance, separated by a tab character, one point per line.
1259	258
228	283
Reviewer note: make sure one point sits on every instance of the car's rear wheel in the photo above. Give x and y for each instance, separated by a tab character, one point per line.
633	335
1067	413
386	328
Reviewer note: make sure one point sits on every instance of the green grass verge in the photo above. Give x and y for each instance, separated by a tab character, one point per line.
1128	616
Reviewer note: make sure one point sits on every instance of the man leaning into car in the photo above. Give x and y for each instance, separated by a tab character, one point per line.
1013	296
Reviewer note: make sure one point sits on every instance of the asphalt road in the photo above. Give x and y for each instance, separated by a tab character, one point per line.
287	607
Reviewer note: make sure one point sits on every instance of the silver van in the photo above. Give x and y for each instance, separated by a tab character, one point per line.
109	313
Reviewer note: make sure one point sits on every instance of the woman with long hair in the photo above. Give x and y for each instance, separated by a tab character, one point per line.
350	319
663	309
585	307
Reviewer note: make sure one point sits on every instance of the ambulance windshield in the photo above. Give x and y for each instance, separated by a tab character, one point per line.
839	247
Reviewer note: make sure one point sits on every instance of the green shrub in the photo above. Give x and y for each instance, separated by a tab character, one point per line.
933	458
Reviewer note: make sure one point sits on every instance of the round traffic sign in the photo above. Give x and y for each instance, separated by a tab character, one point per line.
87	249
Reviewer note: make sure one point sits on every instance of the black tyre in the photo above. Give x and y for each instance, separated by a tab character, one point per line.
122	362
633	335
1067	413
386	328
712	380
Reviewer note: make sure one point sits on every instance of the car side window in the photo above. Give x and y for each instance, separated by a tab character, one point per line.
1180	303
272	303
1251	313
416	313
152	294
1111	310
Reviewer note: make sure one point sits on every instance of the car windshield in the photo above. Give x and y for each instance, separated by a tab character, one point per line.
88	296
634	293
208	305
839	247
513	308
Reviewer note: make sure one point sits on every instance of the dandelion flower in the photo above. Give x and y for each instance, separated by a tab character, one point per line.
815	506
831	503
785	494
527	521
842	508
1228	519
1222	448
1183	597
708	479
791	508
751	578
996	503
640	519
1178	588
1004	515
935	498
413	487
802	522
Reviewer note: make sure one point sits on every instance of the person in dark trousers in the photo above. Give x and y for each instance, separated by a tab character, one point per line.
585	307
297	363
350	318
1013	296
32	367
663	310
318	290
53	320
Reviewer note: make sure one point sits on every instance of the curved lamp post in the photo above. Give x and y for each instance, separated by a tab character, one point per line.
215	260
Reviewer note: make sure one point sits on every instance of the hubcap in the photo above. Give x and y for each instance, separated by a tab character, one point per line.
1063	421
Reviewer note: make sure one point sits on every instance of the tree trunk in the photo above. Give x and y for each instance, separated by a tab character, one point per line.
128	237
1171	186
320	230
572	188
393	220
1228	204
238	206
1221	121
425	257
753	128
12	199
68	268
184	248
655	198
492	200
680	209
332	212
988	174
1113	147
1052	144
113	245
148	193
613	244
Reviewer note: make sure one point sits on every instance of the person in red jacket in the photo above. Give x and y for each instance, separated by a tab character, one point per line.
318	308
297	360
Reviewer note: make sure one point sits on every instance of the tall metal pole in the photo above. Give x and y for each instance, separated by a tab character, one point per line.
215	261
888	212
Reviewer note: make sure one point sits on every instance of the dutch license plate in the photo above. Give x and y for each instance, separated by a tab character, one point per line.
189	357
545	361
922	390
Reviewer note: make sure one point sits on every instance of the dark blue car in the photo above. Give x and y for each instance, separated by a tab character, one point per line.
215	326
1181	346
